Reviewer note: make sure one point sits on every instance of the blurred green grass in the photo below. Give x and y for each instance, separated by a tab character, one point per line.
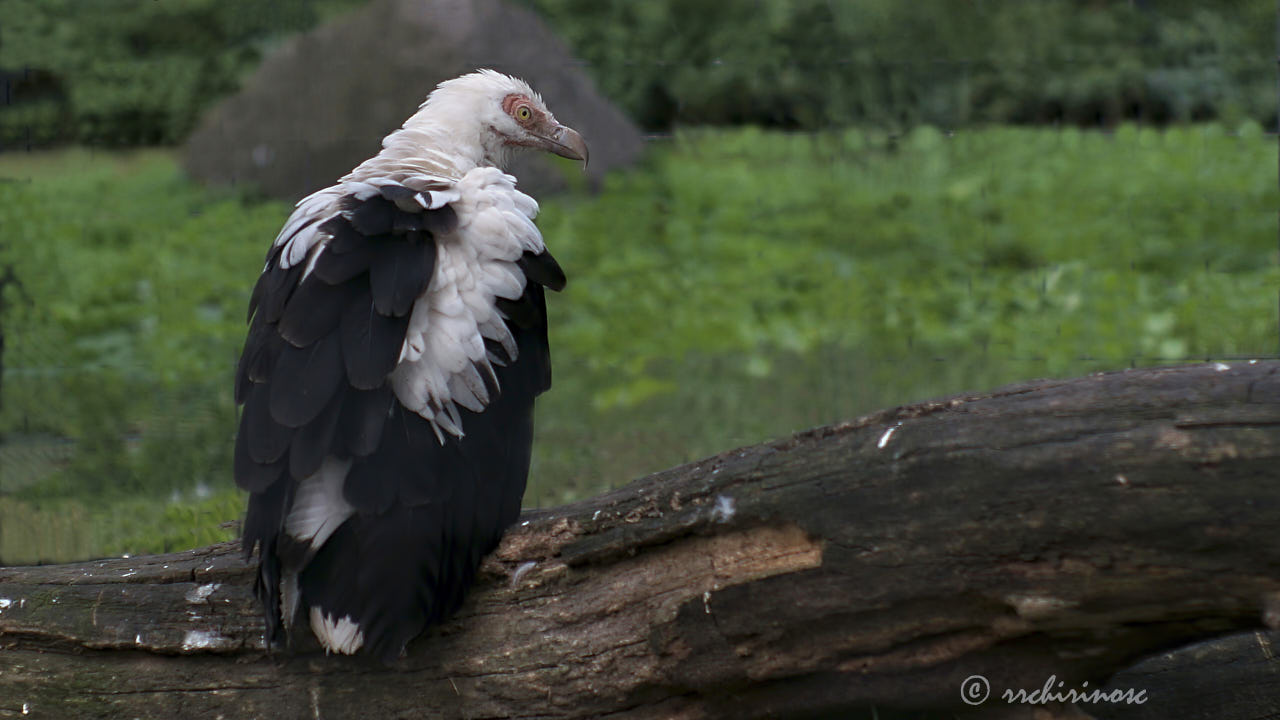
737	286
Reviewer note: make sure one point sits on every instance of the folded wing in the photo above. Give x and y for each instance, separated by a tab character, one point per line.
396	344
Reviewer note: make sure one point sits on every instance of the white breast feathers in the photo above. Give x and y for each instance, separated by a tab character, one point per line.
444	363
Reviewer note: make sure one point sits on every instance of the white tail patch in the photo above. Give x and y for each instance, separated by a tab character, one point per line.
341	636
318	504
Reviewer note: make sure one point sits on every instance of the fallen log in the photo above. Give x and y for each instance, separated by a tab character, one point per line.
1061	528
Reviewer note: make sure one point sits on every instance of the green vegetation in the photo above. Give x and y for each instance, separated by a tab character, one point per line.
120	337
132	72
71	529
739	286
815	64
140	72
765	282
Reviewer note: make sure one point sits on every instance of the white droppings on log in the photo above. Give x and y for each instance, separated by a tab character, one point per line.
203	640
1221	366
521	571
1038	607
884	439
201	594
724	509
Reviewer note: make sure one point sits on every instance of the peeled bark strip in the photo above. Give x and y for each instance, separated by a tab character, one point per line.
1063	528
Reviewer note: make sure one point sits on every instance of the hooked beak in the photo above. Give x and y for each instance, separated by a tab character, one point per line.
567	143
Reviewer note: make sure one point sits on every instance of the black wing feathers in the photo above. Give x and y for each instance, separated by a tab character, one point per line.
312	374
373	217
315	440
439	222
523	312
275	287
262	524
253	475
305	379
343	238
370	342
542	269
313	383
315	310
402	196
335	267
363	415
260	352
268	440
455	501
400	271
530	313
311	337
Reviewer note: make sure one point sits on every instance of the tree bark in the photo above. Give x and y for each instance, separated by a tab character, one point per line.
1057	528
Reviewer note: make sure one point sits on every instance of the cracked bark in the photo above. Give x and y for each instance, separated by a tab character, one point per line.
1059	528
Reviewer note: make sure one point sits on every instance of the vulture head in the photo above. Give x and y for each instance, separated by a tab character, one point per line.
487	116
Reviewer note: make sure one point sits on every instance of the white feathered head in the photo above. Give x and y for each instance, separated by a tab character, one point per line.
483	117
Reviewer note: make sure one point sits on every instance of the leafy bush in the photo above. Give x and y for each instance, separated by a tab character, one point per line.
140	72
816	64
131	72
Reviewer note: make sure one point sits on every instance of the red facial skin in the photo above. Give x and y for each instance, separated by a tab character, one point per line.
514	104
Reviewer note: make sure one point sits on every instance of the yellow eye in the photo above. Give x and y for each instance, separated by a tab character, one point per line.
523	113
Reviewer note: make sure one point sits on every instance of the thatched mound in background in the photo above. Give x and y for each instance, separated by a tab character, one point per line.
324	100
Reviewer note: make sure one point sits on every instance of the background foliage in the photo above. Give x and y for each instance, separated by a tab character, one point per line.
812	63
132	72
908	243
768	282
139	72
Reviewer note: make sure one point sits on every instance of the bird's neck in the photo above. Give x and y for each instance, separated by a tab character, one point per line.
436	143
